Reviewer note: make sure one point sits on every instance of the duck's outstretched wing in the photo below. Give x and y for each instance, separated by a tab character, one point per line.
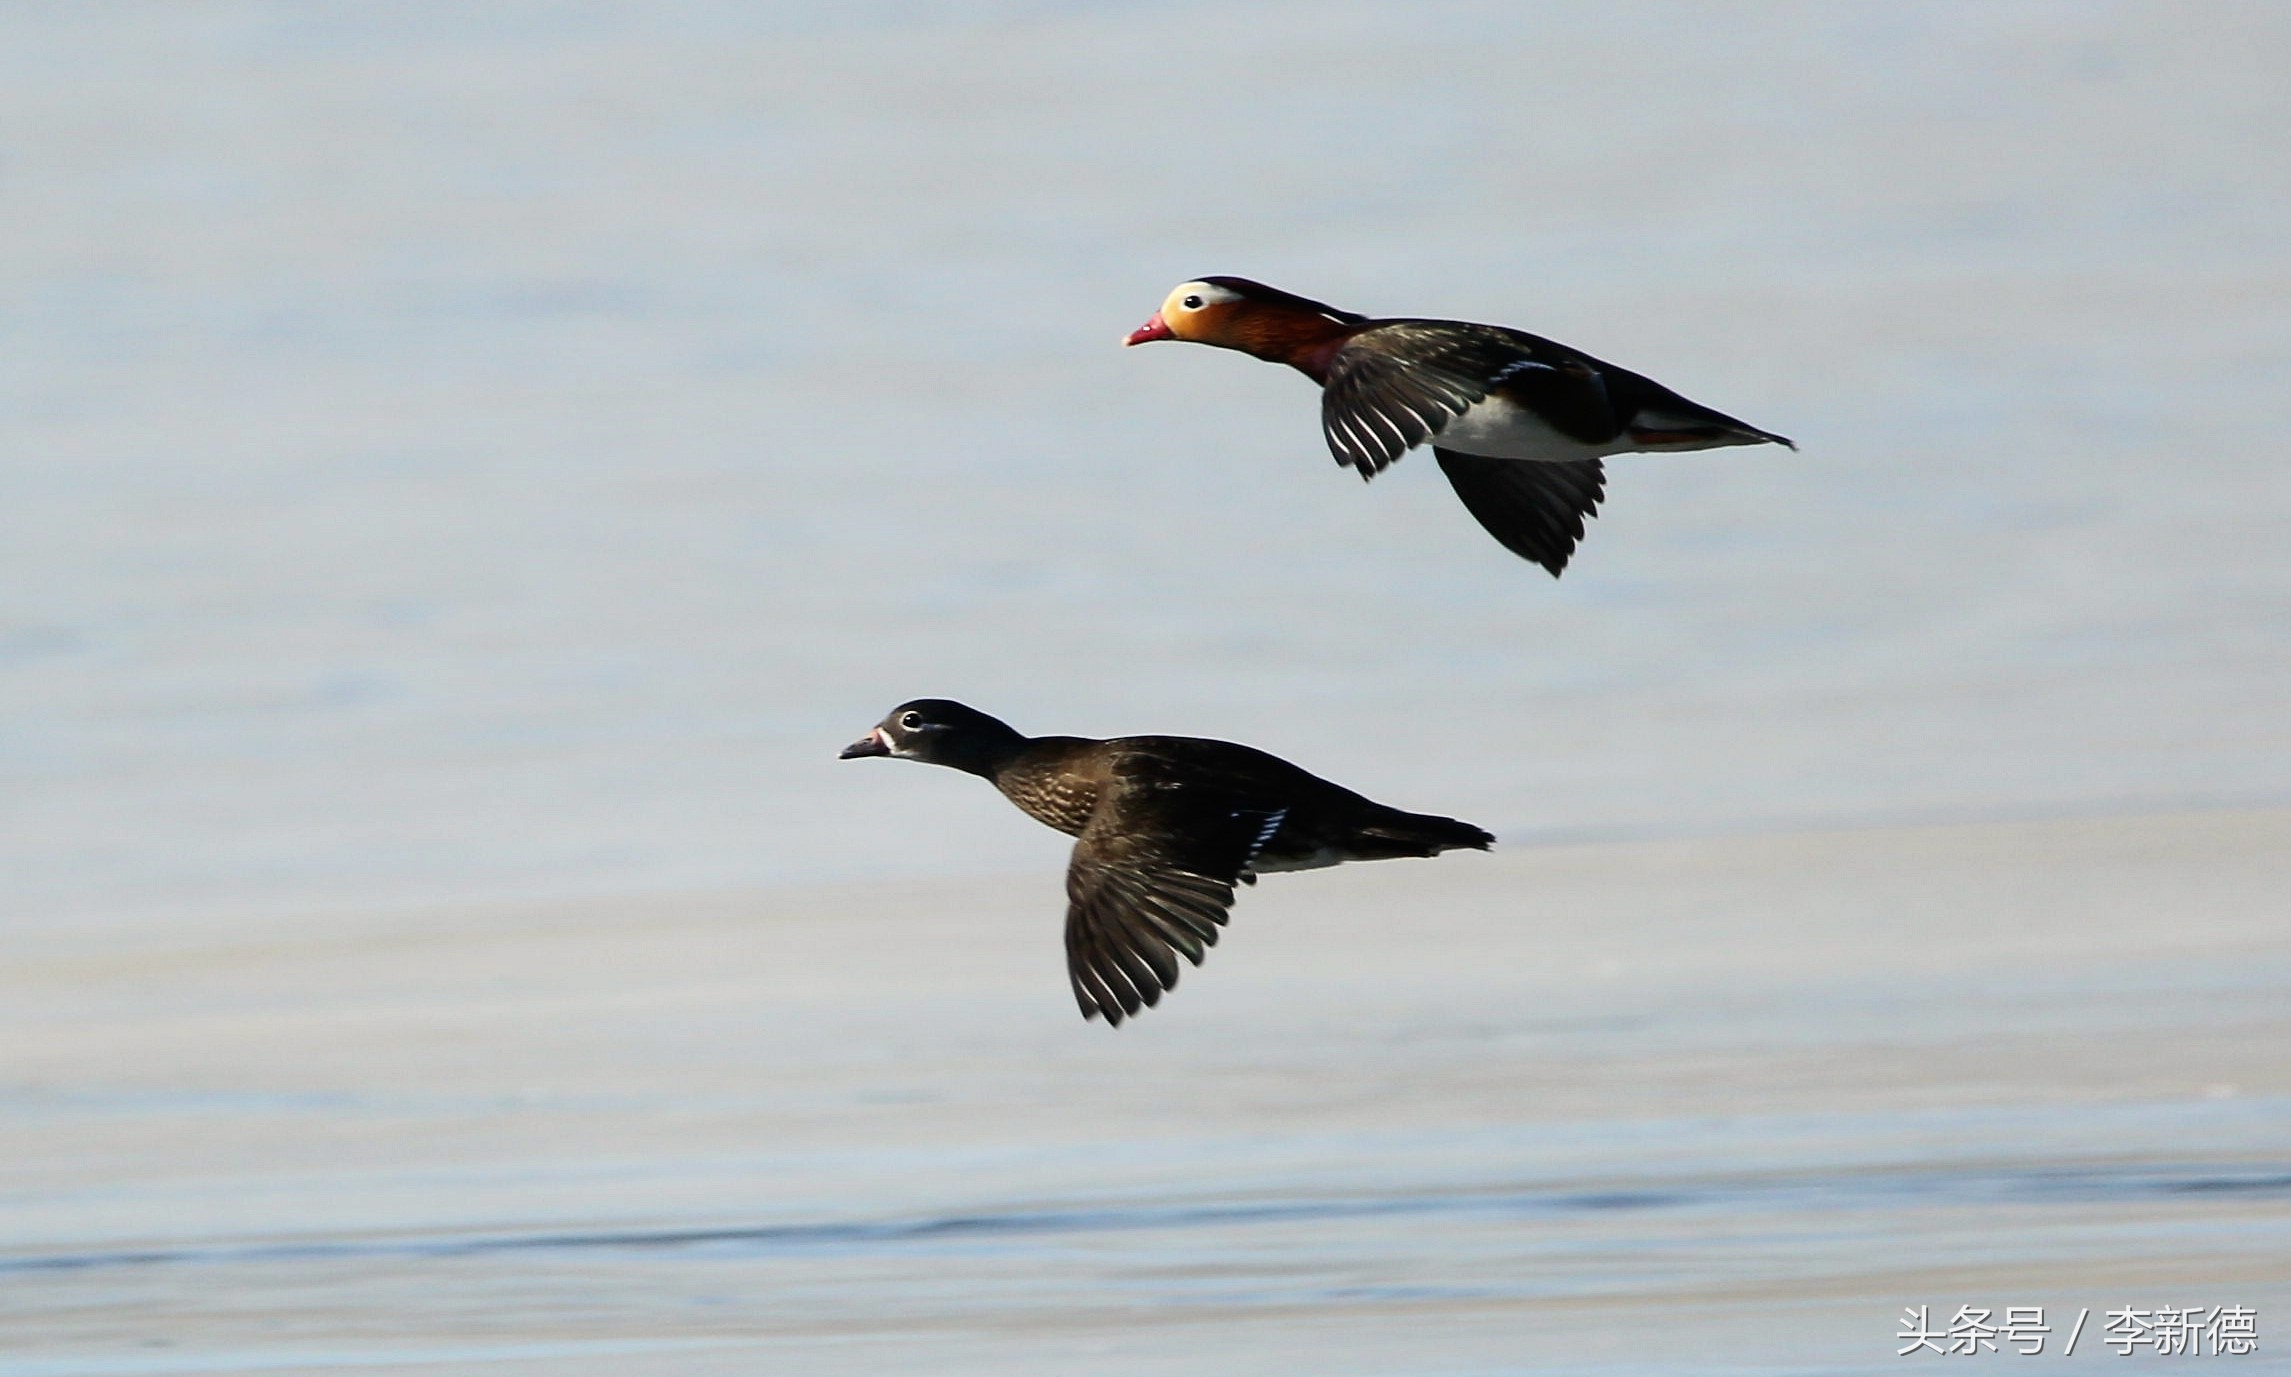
1535	507
1151	880
1399	383
1376	406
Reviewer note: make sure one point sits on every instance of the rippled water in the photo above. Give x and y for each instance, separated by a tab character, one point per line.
1799	1192
1004	1290
1704	1106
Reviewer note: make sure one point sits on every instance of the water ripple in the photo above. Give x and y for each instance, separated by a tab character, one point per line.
1813	1194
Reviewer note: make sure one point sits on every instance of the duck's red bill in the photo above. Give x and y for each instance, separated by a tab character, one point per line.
1153	329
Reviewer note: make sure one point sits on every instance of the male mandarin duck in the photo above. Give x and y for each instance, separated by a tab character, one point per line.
1164	827
1485	397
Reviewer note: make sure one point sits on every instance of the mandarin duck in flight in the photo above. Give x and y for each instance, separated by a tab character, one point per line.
1518	423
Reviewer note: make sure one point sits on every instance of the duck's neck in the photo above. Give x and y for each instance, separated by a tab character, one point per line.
983	753
1304	340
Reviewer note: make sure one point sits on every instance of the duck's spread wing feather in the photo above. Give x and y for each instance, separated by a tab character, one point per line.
1397	384
1535	507
1151	880
1376	407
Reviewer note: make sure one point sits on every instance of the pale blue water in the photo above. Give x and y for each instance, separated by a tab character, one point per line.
1720	1107
1431	1249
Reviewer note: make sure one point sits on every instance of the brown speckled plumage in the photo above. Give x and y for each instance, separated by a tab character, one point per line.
1055	781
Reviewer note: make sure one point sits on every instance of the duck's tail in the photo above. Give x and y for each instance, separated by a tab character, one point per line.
1398	834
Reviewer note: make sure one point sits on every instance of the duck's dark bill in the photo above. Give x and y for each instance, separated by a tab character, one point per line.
870	744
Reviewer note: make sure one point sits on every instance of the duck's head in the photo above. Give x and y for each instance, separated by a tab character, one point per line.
1194	311
1235	313
939	731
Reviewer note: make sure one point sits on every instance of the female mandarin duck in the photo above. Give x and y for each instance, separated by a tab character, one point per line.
1485	398
1164	827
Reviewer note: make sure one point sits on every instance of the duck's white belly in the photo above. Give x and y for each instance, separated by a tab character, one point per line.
1502	429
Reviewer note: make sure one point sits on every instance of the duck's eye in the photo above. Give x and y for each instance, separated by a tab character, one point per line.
1191	303
912	721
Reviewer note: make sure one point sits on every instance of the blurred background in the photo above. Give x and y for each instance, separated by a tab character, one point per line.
506	451
466	470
